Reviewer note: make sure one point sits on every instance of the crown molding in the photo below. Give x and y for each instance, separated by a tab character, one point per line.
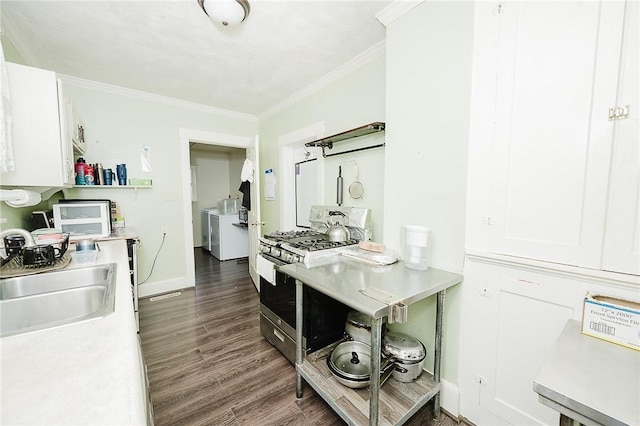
138	94
396	10
360	60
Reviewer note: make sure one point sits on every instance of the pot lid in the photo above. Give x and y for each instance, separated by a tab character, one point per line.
351	359
403	347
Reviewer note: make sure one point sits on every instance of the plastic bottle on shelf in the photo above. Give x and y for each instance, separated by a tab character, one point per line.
80	166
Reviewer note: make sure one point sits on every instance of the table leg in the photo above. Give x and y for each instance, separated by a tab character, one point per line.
299	358
437	357
374	380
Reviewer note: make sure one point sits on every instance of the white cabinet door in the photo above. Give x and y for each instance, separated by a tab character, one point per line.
557	77
39	157
65	110
622	235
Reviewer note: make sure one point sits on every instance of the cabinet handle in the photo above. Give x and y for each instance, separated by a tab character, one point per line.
618	113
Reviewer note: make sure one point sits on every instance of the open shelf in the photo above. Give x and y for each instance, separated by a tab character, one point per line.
328	142
397	401
112	186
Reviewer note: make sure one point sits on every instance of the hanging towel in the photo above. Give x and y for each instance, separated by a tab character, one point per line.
7	163
247	171
245	188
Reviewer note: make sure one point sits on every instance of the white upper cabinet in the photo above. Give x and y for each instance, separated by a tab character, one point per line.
42	150
622	236
557	69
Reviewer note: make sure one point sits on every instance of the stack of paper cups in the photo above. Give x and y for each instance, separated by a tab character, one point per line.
416	246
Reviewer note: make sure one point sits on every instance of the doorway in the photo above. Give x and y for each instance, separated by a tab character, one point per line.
215	172
189	137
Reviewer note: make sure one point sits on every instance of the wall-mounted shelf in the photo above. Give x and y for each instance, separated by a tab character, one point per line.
349	134
112	186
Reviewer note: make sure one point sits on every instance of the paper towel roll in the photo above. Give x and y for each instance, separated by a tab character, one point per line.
20	197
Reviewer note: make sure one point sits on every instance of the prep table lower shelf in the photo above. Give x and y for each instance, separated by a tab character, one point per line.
397	401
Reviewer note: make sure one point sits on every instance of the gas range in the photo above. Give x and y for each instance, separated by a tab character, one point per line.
300	246
309	246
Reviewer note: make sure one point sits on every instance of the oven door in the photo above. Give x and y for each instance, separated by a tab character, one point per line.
324	318
277	290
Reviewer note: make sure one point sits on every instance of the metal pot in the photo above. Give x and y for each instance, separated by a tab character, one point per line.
408	354
358	327
336	231
350	364
407	373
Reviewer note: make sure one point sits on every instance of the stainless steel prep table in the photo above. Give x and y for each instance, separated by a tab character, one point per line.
378	291
590	380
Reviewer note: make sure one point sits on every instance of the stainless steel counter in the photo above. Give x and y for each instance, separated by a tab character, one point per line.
376	291
369	288
590	380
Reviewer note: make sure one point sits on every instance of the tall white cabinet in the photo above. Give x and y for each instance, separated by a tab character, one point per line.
553	195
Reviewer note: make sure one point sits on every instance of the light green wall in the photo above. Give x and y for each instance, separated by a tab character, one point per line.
351	101
429	60
11	54
116	126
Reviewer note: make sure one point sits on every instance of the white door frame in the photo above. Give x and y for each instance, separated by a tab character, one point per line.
288	144
204	137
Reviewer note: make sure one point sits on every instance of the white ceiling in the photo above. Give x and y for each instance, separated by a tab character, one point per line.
171	48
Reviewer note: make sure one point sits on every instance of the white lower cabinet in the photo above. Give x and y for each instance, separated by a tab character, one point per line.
43	151
513	315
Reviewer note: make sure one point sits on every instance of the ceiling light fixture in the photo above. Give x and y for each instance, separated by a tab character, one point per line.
226	12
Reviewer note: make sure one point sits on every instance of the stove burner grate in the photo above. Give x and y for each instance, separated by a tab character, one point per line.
320	244
291	235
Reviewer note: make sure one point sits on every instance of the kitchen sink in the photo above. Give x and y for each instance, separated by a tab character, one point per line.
42	301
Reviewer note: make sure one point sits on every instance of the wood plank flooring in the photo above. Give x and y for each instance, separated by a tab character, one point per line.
209	365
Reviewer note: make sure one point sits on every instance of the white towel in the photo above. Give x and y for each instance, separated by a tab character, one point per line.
247	171
7	163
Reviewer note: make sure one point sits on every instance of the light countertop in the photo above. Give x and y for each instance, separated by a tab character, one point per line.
87	373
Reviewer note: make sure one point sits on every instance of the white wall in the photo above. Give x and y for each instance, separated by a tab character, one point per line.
236	161
117	122
429	51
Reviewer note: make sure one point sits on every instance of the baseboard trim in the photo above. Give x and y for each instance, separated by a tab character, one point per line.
450	398
160	287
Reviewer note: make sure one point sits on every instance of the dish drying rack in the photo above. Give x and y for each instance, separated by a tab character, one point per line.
15	267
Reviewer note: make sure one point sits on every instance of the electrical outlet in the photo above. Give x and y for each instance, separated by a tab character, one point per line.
163	231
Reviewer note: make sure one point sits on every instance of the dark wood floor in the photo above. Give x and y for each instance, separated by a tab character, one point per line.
209	365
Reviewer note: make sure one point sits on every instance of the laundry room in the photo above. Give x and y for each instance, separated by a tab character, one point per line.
215	176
